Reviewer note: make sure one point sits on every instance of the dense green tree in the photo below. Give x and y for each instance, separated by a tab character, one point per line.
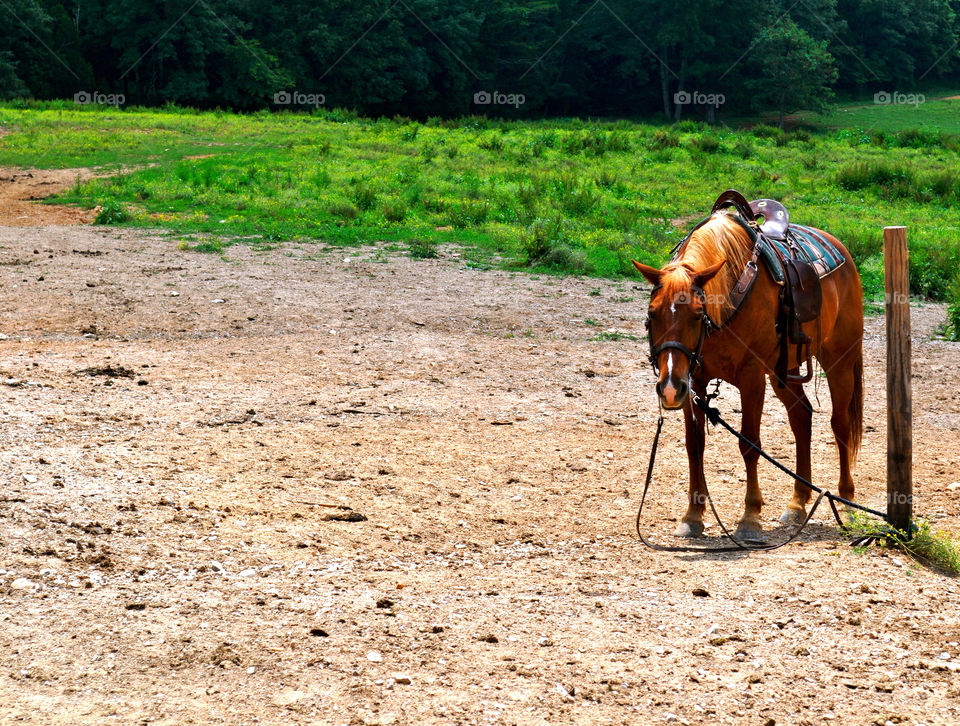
426	57
11	85
790	70
887	42
520	50
39	50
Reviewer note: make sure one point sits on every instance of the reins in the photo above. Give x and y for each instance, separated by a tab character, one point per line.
712	414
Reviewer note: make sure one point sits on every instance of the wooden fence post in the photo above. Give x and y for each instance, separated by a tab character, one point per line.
899	392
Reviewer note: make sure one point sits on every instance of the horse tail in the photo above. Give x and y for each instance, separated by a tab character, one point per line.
856	404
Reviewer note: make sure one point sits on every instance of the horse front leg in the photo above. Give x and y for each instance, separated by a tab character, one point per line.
752	391
692	523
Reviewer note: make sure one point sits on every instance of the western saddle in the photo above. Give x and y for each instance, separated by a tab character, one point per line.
797	258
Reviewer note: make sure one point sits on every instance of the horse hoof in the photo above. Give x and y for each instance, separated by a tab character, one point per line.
793	516
749	530
689	530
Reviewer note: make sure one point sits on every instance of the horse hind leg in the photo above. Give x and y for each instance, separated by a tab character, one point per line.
845	378
800	415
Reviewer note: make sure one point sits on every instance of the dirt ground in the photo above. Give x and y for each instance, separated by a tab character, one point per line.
319	486
20	189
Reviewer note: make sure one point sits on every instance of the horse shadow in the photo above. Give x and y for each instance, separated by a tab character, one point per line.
813	533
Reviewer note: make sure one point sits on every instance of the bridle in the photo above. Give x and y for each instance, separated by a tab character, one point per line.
694	357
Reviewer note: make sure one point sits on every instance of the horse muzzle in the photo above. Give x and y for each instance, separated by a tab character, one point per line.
673	394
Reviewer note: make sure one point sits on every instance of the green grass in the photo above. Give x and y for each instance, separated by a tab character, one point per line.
614	336
953	315
935	114
555	197
935	549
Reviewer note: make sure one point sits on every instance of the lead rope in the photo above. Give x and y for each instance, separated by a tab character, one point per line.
715	418
713	415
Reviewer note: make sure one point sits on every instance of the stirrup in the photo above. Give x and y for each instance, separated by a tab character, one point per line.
800	376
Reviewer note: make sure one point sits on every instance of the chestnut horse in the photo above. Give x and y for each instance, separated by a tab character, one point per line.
744	351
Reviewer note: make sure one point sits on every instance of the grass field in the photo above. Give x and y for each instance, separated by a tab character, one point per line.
939	112
562	196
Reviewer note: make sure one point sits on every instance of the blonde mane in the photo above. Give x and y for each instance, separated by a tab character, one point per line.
721	238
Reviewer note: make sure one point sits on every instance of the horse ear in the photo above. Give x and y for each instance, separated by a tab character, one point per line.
704	276
651	273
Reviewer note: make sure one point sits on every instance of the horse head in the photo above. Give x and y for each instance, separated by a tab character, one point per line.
677	323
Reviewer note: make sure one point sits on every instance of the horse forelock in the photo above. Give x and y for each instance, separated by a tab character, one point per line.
721	238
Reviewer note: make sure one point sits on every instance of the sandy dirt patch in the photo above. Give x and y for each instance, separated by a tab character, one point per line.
22	189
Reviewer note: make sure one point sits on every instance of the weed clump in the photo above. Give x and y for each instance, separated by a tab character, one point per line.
364	197
606	180
596	142
663	140
918	138
765	131
545	242
953	317
541	237
567	259
492	142
932	548
422	249
468	212
613	336
743	149
112	212
687	127
343	210
943	186
395	211
707	143
575	197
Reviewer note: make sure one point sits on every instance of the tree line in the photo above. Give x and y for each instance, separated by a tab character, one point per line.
419	58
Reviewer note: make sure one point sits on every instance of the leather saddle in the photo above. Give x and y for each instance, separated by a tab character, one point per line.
801	296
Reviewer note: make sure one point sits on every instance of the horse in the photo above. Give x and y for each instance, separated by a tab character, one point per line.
687	351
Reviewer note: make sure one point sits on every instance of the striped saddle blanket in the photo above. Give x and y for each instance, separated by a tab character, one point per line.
814	248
